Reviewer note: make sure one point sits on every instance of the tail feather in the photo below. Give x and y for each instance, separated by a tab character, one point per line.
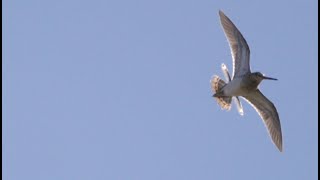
216	85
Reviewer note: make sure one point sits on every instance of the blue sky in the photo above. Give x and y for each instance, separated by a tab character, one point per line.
119	90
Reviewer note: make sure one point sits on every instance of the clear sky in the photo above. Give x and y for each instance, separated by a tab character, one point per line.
119	90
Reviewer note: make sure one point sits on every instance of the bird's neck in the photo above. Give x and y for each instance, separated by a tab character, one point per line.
251	82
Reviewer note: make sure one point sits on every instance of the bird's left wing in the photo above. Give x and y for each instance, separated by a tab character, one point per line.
239	48
269	114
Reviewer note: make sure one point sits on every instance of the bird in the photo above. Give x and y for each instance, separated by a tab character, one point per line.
244	83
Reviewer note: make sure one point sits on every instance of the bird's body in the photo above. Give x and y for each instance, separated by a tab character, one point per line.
234	88
244	83
241	86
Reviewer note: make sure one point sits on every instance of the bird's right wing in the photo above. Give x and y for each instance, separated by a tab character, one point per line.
269	114
239	48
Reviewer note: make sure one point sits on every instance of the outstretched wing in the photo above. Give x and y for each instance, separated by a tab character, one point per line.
239	48
269	114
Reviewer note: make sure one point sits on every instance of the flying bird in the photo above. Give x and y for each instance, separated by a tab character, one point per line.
244	83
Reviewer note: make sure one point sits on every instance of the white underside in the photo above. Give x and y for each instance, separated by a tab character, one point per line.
234	88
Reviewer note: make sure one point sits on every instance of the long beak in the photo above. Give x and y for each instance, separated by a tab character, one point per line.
269	78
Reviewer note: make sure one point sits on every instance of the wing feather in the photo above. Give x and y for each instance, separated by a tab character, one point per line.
269	115
239	48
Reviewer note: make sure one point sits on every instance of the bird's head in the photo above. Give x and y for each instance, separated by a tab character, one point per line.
259	76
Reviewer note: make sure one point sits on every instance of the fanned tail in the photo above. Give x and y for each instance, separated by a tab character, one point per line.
216	85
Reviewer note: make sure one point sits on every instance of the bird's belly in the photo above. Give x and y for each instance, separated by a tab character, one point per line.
235	88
